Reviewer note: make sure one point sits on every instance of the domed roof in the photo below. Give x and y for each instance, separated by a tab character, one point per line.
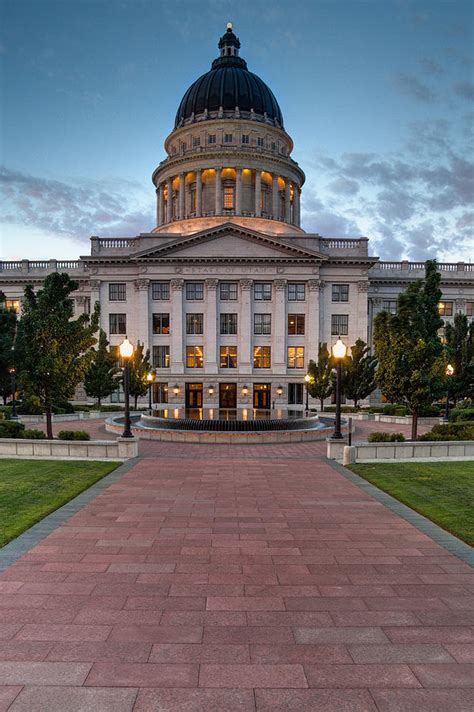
229	90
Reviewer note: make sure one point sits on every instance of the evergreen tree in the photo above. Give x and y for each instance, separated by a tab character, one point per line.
8	326
320	384
460	354
408	348
358	372
140	366
103	375
54	350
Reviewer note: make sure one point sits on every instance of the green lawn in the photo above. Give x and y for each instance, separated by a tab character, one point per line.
441	491
31	489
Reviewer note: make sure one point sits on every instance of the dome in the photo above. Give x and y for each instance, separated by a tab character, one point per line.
229	90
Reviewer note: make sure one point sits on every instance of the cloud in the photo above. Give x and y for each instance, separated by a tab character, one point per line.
344	186
77	209
430	66
411	86
465	90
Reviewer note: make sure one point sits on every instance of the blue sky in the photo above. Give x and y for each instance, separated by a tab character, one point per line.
377	95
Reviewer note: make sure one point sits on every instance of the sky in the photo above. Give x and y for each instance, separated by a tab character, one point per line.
376	94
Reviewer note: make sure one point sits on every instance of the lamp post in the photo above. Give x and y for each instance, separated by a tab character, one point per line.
14	415
449	372
307	379
126	352
150	378
339	350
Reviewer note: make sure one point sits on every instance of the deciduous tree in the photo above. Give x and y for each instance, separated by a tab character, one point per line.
460	354
8	326
358	372
103	375
140	366
320	384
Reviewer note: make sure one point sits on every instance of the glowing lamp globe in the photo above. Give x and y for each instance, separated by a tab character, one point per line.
126	348
449	370
149	377
339	349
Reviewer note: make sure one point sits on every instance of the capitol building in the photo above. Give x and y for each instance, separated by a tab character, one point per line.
229	293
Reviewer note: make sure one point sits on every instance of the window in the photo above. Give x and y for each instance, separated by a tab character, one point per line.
160	393
295	394
13	304
340	292
194	291
193	197
262	291
260	142
339	324
228	197
296	292
117	292
262	324
227	138
262	356
160	291
296	324
194	323
445	308
196	141
194	356
211	138
161	356
228	323
228	356
161	323
469	308
295	357
245	138
228	291
273	145
389	305
117	323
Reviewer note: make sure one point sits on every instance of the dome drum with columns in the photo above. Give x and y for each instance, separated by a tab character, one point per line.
228	155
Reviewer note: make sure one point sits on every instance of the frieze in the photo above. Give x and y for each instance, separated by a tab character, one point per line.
219	270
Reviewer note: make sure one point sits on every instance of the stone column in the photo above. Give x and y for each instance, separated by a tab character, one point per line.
140	327
361	325
160	205
275	207
258	193
95	297
279	328
312	337
80	307
287	201
218	210
210	327
244	351
198	193
182	188
169	202
296	205
238	191
177	359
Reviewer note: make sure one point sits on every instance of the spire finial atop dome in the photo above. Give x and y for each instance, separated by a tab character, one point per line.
229	44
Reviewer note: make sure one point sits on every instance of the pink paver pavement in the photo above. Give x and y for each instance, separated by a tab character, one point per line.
234	579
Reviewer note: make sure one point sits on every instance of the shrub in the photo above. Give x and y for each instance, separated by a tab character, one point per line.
395	409
62	407
458	415
34	434
382	437
449	431
30	406
11	429
73	435
344	409
430	411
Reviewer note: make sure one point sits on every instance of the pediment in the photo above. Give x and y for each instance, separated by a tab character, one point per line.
229	242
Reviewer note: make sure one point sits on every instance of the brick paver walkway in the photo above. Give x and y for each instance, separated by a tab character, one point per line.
202	582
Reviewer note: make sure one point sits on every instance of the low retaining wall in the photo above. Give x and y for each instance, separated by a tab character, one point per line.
398	452
120	449
405	419
68	417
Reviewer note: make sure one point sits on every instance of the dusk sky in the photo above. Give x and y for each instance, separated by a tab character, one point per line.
377	96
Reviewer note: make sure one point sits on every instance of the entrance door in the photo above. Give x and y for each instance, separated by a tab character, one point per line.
227	395
193	395
262	395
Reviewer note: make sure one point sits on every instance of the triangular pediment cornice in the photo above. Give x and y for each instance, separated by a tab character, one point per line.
282	248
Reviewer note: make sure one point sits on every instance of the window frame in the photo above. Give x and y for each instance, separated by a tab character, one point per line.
296	287
339	293
262	291
230	286
264	357
226	359
296	359
194	286
160	286
342	330
192	357
117	330
194	320
263	324
298	318
164	351
121	295
157	325
228	323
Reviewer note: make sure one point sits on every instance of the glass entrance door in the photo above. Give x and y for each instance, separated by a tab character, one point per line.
193	395
227	395
262	395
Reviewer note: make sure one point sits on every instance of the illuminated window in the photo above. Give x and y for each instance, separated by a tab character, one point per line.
296	292
340	292
228	291
228	323
339	324
194	291
161	323
445	308
227	138
211	138
296	324
228	198
262	356
13	304
193	198
161	357
469	308
194	356
117	323
295	357
262	324
194	323
228	356
245	138
262	291
117	292
160	291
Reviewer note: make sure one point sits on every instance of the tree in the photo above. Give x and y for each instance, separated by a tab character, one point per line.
358	372
8	326
54	350
320	384
140	366
408	348
103	375
460	354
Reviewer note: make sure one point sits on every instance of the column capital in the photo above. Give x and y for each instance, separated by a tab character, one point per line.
141	284
246	284
211	284
177	284
363	285
280	284
81	300
94	284
316	285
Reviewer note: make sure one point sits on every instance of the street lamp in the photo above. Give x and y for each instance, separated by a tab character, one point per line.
307	379
279	390
245	391
210	390
150	377
449	372
12	370
126	352
339	350
175	389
